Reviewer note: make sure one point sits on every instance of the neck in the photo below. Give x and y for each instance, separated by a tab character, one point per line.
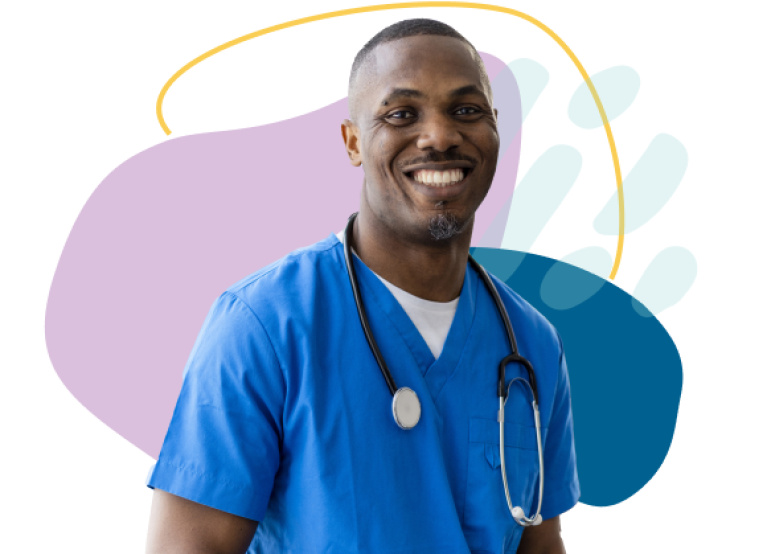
430	270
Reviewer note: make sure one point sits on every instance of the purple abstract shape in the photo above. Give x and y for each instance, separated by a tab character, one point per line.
497	207
494	234
494	212
169	230
493	65
164	235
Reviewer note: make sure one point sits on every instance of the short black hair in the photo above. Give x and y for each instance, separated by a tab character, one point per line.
411	28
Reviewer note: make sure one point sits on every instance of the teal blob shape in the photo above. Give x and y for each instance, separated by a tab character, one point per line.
617	88
538	195
665	281
566	285
531	78
625	379
647	188
501	267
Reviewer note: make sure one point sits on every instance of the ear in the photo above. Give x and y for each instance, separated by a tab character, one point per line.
351	134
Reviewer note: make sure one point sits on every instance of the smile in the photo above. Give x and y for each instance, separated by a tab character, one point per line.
437	178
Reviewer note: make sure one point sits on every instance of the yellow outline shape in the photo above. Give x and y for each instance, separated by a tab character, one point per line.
471	5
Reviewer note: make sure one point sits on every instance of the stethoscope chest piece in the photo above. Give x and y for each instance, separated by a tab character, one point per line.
406	408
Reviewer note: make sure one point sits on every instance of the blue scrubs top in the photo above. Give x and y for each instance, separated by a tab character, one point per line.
284	417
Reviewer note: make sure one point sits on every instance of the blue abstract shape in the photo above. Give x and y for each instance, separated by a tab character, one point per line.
617	88
625	377
665	281
566	284
532	78
648	187
500	266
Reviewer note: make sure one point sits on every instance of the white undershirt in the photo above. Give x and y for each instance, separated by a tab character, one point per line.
432	319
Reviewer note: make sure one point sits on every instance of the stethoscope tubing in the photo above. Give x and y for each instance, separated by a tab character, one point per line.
503	390
523	520
361	310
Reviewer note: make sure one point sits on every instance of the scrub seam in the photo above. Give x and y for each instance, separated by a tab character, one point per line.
556	381
263	272
468	335
557	508
393	324
274	351
203	475
468	438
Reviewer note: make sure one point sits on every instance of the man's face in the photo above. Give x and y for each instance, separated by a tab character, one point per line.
426	136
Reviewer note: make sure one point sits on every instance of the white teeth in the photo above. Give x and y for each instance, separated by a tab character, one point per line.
438	178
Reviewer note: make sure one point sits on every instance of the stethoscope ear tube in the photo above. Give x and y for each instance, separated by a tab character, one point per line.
514	356
361	310
502	390
517	512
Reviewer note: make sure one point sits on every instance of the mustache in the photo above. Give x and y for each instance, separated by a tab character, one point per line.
439	157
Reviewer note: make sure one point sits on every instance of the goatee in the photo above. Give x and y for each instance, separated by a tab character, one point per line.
444	226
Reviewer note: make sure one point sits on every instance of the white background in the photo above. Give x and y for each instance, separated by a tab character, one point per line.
79	85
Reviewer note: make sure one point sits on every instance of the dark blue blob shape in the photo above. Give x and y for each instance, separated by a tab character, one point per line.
625	379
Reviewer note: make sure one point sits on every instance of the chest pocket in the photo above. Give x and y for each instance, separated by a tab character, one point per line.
487	523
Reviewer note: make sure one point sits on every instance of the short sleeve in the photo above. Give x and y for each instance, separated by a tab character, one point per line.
222	448
561	487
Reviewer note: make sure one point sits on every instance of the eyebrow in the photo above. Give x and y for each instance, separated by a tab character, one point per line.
468	89
402	93
412	93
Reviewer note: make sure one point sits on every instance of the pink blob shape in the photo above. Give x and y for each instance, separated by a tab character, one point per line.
169	230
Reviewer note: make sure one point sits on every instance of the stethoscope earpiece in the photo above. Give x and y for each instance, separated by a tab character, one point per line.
519	516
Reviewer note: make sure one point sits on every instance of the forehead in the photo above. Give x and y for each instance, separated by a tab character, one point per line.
435	62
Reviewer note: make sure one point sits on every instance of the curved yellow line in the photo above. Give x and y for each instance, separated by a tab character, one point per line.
400	5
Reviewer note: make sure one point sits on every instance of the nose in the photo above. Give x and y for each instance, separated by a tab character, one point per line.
439	133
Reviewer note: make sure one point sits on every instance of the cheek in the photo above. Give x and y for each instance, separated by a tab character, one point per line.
379	152
489	146
491	141
373	153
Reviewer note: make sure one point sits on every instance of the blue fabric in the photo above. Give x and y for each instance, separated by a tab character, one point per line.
284	417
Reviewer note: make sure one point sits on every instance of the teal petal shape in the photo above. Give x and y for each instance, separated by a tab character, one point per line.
617	87
647	188
565	285
665	281
538	196
531	78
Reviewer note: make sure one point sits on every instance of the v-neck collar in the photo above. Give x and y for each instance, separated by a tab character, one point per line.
436	372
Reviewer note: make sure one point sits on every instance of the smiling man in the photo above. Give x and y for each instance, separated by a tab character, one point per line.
285	437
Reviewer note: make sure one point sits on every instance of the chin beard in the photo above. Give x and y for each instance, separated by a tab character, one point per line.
444	226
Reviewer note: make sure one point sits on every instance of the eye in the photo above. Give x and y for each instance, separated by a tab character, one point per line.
400	115
467	110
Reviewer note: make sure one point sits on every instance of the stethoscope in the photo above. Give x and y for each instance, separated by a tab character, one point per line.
406	407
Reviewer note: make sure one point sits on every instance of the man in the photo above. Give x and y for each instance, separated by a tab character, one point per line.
284	423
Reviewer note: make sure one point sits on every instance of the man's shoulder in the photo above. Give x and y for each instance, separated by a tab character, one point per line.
298	271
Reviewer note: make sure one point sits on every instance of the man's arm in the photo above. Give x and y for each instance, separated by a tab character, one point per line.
180	526
542	539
